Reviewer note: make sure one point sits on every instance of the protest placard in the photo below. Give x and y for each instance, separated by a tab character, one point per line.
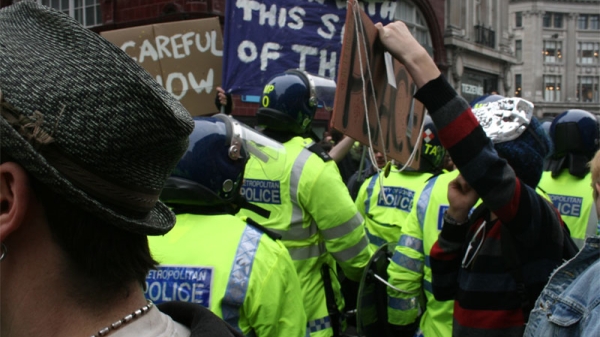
184	56
374	101
267	37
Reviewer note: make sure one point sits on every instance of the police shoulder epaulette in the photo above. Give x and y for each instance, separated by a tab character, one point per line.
319	151
263	229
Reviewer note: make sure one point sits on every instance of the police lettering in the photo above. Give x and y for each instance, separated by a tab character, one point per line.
160	292
262	191
567	205
268	89
175	283
265	99
178	273
396	197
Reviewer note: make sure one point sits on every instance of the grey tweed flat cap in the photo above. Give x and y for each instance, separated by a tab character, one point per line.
83	118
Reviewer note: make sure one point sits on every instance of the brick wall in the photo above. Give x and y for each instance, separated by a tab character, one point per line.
127	13
245	109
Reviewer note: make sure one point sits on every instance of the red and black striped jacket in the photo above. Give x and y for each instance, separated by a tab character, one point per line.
487	302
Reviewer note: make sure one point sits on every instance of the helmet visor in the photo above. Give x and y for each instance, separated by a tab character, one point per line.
256	144
505	119
322	91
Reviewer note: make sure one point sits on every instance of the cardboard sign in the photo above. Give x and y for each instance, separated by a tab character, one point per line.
185	57
387	88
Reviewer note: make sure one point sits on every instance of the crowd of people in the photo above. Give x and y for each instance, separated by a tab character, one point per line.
121	215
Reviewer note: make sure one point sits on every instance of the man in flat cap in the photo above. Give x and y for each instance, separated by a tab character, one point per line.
88	139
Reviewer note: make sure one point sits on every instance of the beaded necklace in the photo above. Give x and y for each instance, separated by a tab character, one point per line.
125	320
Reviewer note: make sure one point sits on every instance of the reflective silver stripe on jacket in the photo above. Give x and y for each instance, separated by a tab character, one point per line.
407	262
343	229
239	277
402	304
296	232
303	253
349	253
424	200
374	239
411	242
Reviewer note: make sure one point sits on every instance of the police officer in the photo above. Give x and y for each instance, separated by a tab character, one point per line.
576	138
385	211
309	203
410	271
234	267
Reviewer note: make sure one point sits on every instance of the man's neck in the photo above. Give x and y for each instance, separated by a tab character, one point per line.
37	296
60	316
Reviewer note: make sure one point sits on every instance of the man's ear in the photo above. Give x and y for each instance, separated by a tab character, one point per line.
15	197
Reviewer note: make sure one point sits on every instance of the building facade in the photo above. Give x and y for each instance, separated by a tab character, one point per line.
557	46
478	47
425	18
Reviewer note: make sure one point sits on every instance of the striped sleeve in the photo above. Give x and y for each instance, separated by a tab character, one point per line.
445	261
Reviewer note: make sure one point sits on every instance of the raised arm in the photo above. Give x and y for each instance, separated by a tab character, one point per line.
340	150
402	45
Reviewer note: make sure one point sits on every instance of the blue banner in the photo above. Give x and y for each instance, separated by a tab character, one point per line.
265	38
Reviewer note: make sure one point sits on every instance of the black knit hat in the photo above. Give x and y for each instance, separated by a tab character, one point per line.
526	154
86	120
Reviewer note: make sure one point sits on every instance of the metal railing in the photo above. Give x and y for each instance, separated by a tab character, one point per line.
485	36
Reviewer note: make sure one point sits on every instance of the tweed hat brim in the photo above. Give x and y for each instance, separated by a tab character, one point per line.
157	222
113	134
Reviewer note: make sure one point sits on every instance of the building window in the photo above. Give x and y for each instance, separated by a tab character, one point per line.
582	21
552	88
587	52
587	89
518	85
87	12
415	21
547	20
552	51
553	20
519	49
588	21
558	20
519	19
594	22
